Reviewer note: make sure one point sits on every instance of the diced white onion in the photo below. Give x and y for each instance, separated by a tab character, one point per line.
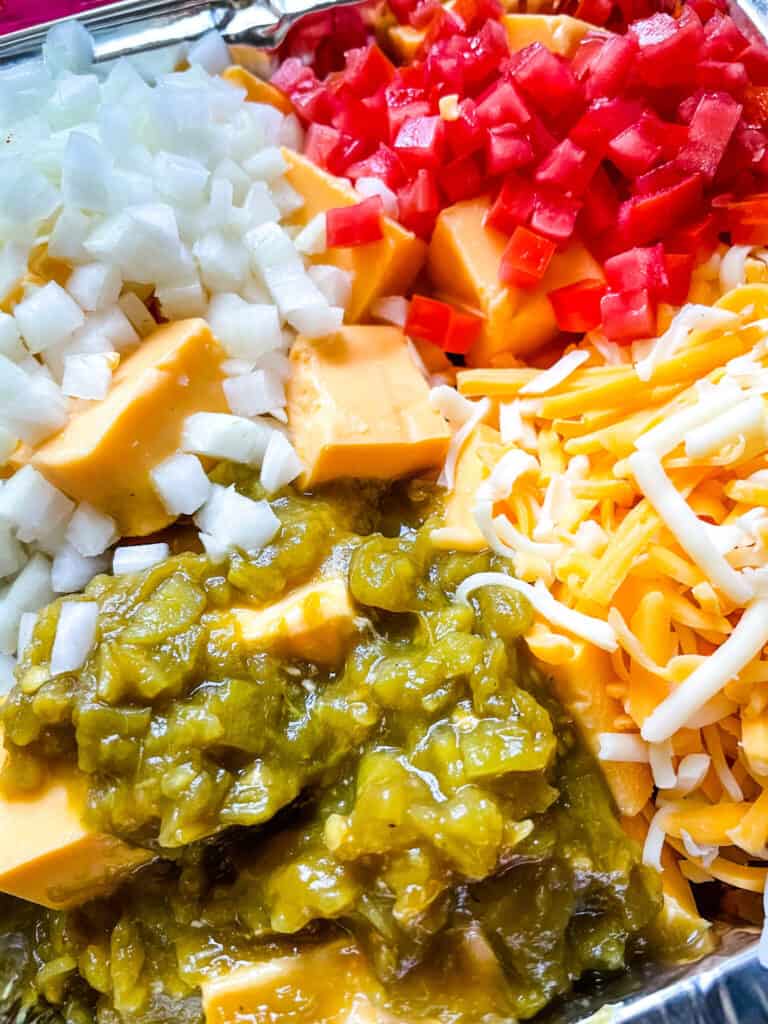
72	572
30	591
91	531
137	314
34	506
311	240
179	301
235	521
210	52
316	320
75	635
138	557
12	556
221	436
267	165
392	309
94	285
181	484
281	463
48	317
333	282
549	379
10	339
246	330
87	376
253	394
68	46
585	626
622	746
7	669
27	624
372	186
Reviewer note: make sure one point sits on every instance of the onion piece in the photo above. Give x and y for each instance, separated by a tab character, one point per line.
87	376
221	436
34	506
91	531
246	330
281	463
235	521
94	285
210	52
252	394
27	624
48	317
75	636
181	484
72	572
311	240
138	557
30	591
333	282
7	670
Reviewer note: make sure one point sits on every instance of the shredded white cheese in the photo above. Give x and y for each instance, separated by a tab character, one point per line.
593	630
685	526
674	429
662	765
447	476
706	854
556	374
746	419
689	318
745	643
623	746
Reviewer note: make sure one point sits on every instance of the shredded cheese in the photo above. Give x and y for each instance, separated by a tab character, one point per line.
559	372
629	747
746	419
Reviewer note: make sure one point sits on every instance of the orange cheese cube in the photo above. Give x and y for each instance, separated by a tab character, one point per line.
560	33
464	258
580	685
257	90
479	455
359	407
106	452
405	41
314	622
380	268
49	856
331	983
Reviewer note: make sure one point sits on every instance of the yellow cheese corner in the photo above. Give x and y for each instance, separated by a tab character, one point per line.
332	984
387	267
315	622
106	452
459	531
560	33
257	90
49	856
463	263
359	407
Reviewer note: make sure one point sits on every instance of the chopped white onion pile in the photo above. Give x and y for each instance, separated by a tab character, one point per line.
169	192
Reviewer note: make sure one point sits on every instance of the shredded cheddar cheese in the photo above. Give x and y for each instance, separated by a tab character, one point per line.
633	502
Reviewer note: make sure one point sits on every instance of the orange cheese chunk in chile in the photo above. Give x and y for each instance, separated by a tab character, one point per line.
331	983
106	452
257	90
314	622
359	407
459	531
386	267
580	684
463	263
49	856
560	33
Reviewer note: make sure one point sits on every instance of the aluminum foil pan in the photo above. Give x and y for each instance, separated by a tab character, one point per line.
727	987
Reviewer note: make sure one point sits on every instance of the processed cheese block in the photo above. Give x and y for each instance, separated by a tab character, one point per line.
314	622
331	984
560	33
257	90
106	452
479	455
49	856
580	684
359	407
380	268
464	259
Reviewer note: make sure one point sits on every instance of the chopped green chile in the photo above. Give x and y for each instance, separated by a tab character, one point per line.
426	796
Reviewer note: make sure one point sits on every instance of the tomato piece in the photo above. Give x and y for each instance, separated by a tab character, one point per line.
611	67
635	149
722	39
502	104
641	267
709	133
669	47
367	69
421	141
462	178
419	203
647	218
513	205
466	134
601	205
506	149
428	319
679	268
577	306
722	75
699	239
554	214
546	79
603	120
526	258
596	11
628	315
354	225
384	163
568	167
463	331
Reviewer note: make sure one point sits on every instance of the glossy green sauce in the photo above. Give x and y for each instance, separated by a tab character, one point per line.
426	797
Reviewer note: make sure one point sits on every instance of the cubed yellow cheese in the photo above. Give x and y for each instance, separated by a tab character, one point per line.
359	407
387	267
106	452
315	622
479	455
49	856
405	41
560	33
464	259
581	683
257	90
332	984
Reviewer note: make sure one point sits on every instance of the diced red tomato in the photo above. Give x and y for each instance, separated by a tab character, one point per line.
601	205
462	178
546	79
463	331
698	239
635	149
502	104
419	203
711	128
428	319
506	150
596	11
728	76
568	167
513	205
384	163
354	225
554	214
647	218
466	134
577	306
367	69
669	47
661	177
421	141
628	315
525	259
611	68
748	220
603	120
679	268
642	267
722	39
